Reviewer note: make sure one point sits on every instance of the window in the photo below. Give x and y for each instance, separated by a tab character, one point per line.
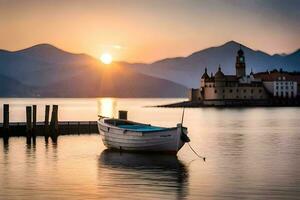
259	90
230	90
216	91
292	94
292	87
244	97
223	90
276	87
251	91
237	97
282	87
245	90
237	90
286	94
276	94
287	87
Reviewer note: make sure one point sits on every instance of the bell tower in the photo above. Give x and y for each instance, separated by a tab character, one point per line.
240	65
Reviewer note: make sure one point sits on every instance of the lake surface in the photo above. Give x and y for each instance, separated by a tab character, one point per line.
252	153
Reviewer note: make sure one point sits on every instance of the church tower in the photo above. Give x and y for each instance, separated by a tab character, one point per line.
240	65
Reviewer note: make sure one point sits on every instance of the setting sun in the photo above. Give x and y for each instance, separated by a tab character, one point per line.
106	58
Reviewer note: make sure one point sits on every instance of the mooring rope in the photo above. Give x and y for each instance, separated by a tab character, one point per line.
196	152
182	116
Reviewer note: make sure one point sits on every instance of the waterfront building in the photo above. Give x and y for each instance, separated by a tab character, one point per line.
221	89
194	94
280	84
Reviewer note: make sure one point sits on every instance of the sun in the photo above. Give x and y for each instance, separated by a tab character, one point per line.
106	58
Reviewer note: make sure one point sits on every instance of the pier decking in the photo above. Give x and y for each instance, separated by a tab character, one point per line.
64	128
31	128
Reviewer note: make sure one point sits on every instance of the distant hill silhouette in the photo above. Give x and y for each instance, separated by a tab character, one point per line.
44	70
188	70
12	88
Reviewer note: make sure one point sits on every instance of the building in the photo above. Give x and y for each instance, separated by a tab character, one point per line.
281	84
220	89
194	94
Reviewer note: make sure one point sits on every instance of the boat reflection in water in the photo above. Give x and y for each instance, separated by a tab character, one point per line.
133	175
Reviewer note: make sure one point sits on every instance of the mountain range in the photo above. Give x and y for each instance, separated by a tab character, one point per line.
46	71
188	70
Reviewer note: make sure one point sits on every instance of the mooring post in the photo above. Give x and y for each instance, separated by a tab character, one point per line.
5	123
78	127
28	125
46	126
34	124
123	114
54	123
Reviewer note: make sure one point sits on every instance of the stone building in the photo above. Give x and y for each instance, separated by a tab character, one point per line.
194	94
220	89
280	84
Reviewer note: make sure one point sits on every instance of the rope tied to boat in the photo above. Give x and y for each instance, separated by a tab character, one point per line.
196	152
188	141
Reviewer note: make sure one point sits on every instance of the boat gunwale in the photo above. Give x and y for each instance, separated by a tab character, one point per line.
102	122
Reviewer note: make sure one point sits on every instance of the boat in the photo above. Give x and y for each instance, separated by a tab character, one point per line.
125	135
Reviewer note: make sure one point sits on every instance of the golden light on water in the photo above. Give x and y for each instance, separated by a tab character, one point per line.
106	58
107	107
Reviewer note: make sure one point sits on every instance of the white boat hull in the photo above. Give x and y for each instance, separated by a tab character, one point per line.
167	141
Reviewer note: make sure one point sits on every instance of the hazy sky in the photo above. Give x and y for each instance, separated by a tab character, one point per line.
137	30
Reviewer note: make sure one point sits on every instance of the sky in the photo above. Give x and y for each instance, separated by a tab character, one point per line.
149	30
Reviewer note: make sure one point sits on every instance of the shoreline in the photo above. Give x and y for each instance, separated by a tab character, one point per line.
234	103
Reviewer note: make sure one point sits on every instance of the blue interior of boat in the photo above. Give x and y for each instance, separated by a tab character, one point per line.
141	128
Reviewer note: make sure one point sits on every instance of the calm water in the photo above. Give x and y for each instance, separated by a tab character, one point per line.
251	154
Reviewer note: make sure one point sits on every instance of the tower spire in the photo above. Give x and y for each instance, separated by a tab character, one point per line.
240	65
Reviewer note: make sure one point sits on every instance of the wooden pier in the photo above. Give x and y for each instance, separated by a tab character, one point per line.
31	128
64	128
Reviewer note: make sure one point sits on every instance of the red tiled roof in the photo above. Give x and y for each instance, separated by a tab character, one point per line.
273	76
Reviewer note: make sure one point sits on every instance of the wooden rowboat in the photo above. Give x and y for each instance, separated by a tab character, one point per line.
127	135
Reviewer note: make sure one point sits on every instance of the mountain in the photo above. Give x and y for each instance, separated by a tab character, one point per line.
12	88
43	64
119	82
188	70
46	71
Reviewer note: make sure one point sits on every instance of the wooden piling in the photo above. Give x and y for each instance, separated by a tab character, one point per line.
5	123
54	123
78	127
34	124
28	125
123	114
46	126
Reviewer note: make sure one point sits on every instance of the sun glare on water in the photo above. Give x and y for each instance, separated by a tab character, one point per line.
106	58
